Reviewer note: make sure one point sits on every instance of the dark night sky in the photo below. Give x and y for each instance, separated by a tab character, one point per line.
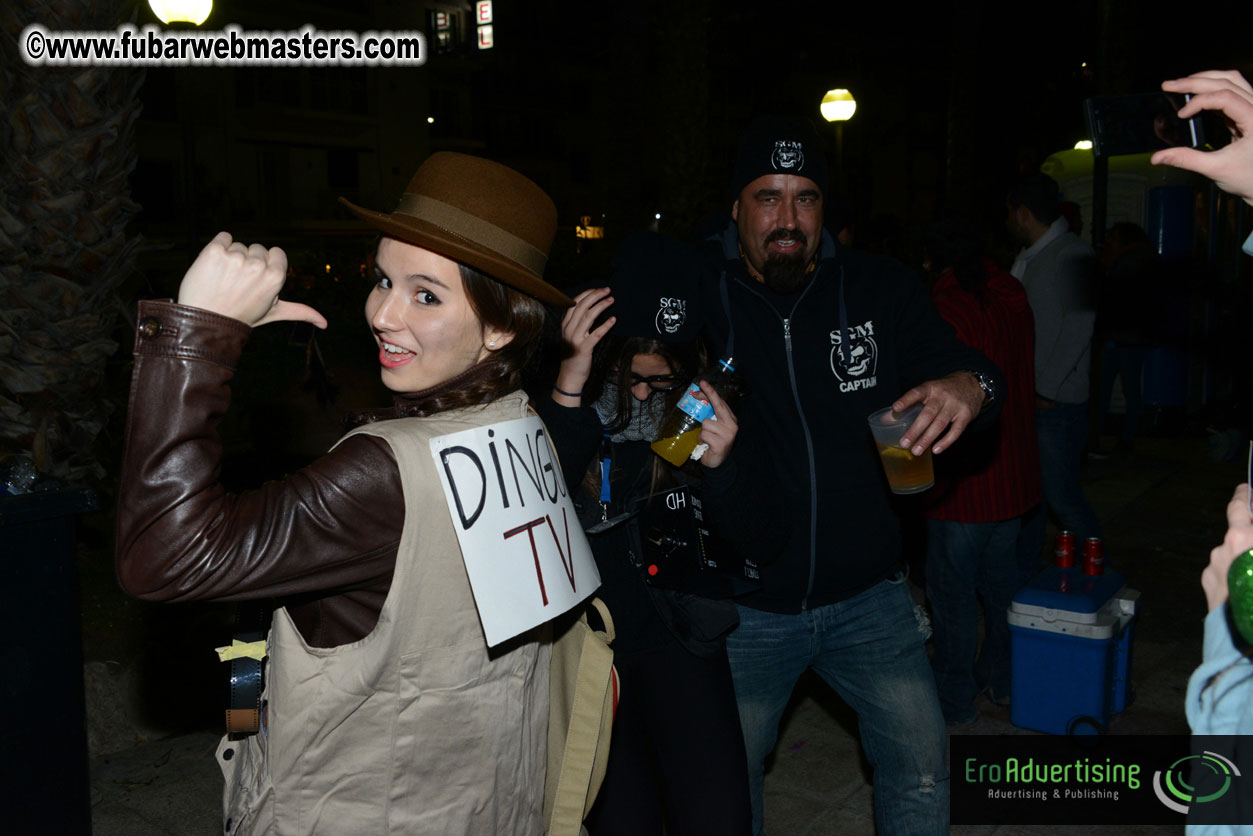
627	109
1022	84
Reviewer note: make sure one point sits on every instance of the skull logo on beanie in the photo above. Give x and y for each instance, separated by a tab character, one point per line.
788	156
779	145
671	315
656	283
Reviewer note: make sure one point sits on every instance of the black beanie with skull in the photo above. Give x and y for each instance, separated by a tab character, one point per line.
655	284
779	145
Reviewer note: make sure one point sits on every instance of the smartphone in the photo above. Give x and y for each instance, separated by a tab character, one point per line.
1140	123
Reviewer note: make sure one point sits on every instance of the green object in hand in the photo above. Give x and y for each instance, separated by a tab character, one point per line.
1240	593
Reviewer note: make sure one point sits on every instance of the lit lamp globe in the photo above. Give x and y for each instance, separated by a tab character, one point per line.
181	11
838	105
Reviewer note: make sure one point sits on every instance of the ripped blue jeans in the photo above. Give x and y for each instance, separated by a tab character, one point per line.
871	650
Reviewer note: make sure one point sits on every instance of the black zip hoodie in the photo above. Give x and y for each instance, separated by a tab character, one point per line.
818	362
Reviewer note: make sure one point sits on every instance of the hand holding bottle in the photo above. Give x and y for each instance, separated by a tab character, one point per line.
719	430
682	427
1239	539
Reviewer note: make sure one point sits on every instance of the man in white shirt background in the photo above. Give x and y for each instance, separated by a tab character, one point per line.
1058	271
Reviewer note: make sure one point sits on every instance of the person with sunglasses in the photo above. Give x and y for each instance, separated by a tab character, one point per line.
676	759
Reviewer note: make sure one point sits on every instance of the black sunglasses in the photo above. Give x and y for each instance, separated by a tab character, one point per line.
656	382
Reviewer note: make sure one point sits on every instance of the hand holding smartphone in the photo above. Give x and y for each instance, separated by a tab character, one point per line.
1140	123
1228	93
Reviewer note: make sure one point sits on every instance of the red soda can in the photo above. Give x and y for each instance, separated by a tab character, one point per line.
1064	550
1093	556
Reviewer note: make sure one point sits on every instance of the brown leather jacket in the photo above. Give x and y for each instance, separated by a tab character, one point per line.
323	540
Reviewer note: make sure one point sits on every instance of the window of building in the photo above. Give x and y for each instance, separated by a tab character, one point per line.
444	29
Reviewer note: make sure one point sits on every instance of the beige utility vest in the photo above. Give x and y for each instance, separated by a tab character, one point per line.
417	728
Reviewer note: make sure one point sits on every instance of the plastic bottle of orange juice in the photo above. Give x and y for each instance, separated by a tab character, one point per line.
681	429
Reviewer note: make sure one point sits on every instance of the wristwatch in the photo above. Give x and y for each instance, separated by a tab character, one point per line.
986	384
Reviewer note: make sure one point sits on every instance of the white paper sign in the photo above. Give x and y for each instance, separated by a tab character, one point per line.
524	550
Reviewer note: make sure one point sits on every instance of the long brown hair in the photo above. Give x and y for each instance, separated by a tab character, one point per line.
611	359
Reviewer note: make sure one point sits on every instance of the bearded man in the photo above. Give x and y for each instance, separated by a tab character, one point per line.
825	336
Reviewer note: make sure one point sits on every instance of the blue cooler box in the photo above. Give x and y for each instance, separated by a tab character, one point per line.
1071	637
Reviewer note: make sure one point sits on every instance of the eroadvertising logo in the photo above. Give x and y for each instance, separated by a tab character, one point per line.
1098	779
1014	778
1178	789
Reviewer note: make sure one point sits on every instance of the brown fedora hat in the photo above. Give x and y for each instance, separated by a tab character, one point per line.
479	212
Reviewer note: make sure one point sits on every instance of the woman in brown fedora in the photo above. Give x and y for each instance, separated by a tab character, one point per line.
385	710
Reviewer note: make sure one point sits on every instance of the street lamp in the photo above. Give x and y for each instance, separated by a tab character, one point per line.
181	11
838	106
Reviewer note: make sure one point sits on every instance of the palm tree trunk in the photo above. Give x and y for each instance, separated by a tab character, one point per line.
68	135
